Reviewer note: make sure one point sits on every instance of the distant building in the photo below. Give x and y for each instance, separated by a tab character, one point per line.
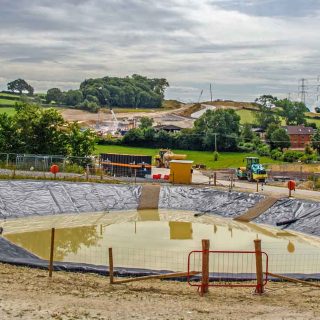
168	128
300	136
260	132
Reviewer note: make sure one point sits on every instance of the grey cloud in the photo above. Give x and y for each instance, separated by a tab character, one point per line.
271	8
29	53
60	43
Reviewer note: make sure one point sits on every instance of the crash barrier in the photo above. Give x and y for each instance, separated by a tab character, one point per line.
228	268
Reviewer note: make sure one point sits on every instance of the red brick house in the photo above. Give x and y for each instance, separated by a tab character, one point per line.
300	136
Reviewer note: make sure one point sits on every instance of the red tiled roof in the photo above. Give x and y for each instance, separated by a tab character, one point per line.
299	130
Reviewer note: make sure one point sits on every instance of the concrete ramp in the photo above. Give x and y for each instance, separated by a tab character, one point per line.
257	210
149	198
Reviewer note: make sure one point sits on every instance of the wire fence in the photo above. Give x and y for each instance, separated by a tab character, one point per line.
85	245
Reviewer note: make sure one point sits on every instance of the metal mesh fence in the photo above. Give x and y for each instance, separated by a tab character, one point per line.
84	245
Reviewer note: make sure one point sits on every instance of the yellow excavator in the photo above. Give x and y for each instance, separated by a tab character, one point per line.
165	156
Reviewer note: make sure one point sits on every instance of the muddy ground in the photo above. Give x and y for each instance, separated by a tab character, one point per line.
30	294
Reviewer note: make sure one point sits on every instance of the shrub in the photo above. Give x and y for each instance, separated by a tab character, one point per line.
292	156
215	156
246	147
308	158
276	154
263	150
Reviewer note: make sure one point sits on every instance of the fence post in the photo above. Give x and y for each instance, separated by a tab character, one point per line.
259	270
205	266
110	265
87	172
215	179
257	185
14	172
51	252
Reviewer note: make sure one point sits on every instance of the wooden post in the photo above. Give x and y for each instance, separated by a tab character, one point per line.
205	266
214	178
110	265
87	172
259	271
257	185
51	252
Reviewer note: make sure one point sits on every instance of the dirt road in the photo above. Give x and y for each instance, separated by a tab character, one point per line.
158	116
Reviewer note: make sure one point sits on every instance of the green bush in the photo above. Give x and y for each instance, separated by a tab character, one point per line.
246	147
308	158
215	156
292	156
73	168
276	154
263	150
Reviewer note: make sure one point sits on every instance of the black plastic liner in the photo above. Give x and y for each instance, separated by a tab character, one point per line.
294	214
223	203
15	255
27	198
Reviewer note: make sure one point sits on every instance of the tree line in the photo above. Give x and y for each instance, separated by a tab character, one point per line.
36	130
132	92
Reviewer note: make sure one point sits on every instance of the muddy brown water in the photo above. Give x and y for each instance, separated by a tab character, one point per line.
162	240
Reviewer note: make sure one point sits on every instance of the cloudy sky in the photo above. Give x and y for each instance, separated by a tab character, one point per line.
244	47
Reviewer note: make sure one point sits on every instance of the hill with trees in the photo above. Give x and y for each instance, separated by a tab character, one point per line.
130	92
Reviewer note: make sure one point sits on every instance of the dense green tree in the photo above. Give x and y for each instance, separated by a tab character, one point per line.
35	130
20	85
145	122
266	114
270	129
81	143
246	133
221	126
73	97
9	141
315	141
39	130
280	139
133	92
317	109
292	111
164	139
54	94
134	137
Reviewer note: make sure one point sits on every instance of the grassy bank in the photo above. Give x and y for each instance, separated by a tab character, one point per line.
10	111
226	159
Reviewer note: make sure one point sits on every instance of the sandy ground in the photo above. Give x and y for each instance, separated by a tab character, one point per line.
159	116
30	294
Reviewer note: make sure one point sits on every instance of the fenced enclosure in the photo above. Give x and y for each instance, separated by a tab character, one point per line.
35	162
225	268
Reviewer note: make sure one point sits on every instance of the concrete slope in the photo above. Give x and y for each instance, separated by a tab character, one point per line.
257	210
149	198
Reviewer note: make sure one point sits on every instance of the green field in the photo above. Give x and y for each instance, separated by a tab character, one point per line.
2	94
7	102
226	159
9	111
247	116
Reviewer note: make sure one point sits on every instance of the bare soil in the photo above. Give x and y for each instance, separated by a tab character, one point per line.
30	294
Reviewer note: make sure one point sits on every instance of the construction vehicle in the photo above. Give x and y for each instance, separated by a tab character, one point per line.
254	171
165	156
